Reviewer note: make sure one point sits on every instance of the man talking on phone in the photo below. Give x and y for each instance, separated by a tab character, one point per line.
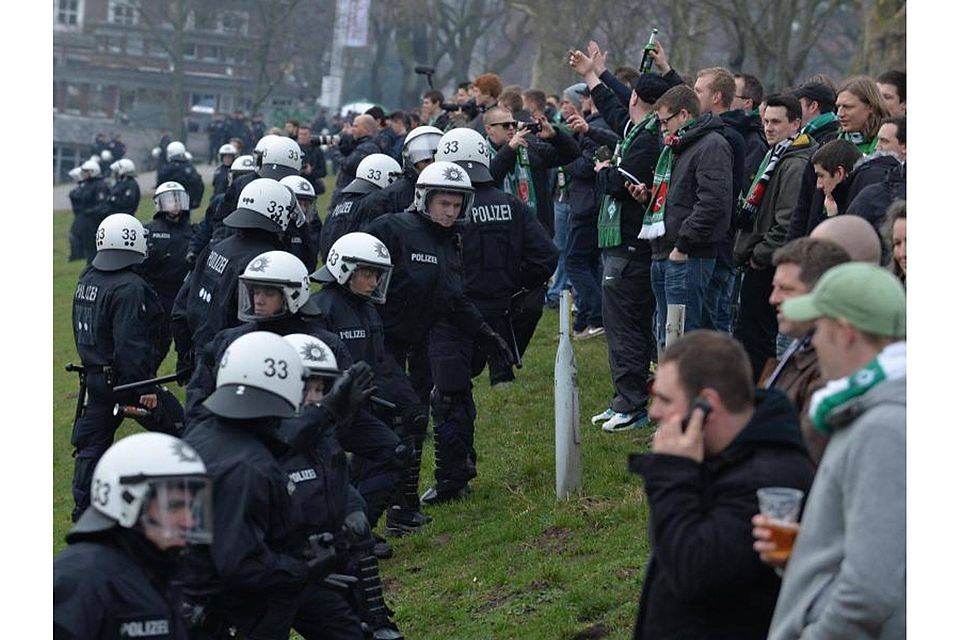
718	440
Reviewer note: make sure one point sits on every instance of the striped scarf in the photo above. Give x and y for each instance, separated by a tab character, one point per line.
750	204
608	222
653	219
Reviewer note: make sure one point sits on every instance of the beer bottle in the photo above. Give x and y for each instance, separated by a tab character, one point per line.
646	62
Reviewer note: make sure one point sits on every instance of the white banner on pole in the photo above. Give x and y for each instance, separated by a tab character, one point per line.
356	21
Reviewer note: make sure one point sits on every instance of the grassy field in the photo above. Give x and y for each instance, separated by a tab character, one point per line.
509	562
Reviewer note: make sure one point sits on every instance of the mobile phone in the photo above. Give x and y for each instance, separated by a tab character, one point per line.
698	403
532	127
602	154
629	176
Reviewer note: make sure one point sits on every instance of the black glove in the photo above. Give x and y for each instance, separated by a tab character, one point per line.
190	259
497	348
357	525
350	392
321	555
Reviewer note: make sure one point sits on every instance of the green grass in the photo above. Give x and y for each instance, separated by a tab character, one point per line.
510	561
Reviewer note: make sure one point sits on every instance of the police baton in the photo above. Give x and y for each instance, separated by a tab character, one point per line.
82	372
150	382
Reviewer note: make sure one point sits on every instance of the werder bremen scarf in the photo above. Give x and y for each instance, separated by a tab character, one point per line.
519	182
866	146
751	203
890	364
608	222
653	224
818	123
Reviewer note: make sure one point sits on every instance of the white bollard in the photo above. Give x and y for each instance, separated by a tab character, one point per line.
676	316
566	405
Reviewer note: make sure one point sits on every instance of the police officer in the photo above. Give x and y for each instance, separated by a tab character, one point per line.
417	153
227	154
505	252
151	498
125	193
375	172
168	238
178	168
207	301
116	318
211	228
89	201
275	157
325	499
304	236
255	575
425	287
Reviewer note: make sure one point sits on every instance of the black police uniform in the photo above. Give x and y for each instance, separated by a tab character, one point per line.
221	179
166	266
232	195
116	319
115	584
206	230
89	201
182	171
255	571
304	241
343	217
125	196
394	197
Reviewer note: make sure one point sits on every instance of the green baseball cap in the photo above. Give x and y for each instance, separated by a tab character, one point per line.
868	297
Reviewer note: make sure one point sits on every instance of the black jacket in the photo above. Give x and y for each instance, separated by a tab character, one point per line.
109	585
583	192
182	171
304	241
167	244
872	201
232	195
704	579
427	279
639	160
221	179
205	230
700	196
125	196
91	199
342	219
354	320
354	150
755	144
395	197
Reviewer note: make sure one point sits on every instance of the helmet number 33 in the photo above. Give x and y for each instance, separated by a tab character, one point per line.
276	368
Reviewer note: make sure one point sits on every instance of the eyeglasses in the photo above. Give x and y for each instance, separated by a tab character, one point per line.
743	97
664	121
505	125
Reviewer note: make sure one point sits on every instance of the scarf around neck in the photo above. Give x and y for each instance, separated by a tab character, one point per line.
751	203
608	222
653	219
890	364
519	182
819	123
865	146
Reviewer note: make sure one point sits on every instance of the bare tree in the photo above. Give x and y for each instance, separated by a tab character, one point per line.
273	48
883	37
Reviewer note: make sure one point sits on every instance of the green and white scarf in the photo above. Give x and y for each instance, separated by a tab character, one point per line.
890	364
818	123
608	222
865	146
653	219
750	204
519	182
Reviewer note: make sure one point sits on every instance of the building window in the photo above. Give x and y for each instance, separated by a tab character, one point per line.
135	45
71	99
123	11
67	12
233	22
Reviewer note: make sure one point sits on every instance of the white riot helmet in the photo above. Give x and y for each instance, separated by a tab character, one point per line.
419	145
155	152
263	204
317	358
376	171
76	174
277	157
243	165
123	167
155	483
442	177
121	242
305	196
171	197
106	156
277	271
354	251
91	166
176	150
468	149
260	376
227	150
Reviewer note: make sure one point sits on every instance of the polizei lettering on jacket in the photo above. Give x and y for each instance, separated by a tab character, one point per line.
144	628
423	257
303	475
492	213
217	262
342	208
353	334
87	292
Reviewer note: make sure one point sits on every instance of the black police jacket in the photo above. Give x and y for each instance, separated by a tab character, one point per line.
221	179
354	150
204	379
704	580
211	303
427	279
354	320
167	244
304	241
182	171
232	195
395	197
107	586
252	561
116	320
91	198
341	220
205	230
505	248
124	196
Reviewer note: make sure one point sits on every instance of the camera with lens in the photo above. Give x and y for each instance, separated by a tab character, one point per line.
469	108
322	139
532	127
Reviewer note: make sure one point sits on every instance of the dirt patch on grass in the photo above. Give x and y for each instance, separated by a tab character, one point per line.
627	572
441	539
599	630
390	584
553	541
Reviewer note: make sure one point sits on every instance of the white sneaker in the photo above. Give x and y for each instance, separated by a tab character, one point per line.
626	421
603	417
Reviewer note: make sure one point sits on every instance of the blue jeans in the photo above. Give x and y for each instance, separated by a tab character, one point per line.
717	299
680	283
561	226
583	268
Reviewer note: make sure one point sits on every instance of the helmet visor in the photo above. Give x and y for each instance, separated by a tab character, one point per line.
258	301
369	280
178	511
173	202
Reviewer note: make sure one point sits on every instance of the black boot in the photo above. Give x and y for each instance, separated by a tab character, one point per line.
405	516
373	610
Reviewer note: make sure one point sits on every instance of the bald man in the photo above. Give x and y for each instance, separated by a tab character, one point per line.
854	234
355	148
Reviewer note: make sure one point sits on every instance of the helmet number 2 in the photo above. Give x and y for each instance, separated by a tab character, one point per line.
100	491
276	368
